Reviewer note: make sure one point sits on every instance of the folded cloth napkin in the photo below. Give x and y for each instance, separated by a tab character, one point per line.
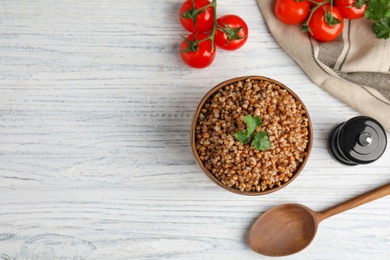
355	68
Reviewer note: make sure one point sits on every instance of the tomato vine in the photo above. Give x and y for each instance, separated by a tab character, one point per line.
331	13
228	32
194	14
329	18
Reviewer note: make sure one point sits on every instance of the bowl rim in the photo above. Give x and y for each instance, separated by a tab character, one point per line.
206	97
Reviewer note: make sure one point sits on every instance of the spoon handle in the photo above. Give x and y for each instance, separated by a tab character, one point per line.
354	202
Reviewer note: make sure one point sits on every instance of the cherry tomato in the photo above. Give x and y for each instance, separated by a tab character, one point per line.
197	54
349	9
204	19
291	11
232	32
320	28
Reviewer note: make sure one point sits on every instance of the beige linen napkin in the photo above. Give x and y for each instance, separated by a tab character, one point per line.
355	68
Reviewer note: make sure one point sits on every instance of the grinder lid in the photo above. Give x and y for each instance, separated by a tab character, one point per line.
362	139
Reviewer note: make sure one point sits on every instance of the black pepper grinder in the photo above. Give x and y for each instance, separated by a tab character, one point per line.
360	140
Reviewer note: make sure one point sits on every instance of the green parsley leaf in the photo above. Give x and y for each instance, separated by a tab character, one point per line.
242	136
382	28
378	11
252	123
261	141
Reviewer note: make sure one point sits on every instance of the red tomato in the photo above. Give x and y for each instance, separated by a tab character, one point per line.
232	32
197	54
195	20
349	9
320	28
291	11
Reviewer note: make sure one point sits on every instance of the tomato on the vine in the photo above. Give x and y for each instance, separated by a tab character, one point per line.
292	11
326	24
194	17
351	9
197	53
232	32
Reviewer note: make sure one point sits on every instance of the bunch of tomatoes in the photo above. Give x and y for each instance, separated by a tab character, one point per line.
228	32
323	19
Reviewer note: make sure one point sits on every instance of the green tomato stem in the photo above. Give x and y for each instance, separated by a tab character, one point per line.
211	37
305	26
331	7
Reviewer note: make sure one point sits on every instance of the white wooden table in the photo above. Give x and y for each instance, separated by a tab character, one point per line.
95	159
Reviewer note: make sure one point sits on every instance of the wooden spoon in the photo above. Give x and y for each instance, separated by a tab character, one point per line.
289	228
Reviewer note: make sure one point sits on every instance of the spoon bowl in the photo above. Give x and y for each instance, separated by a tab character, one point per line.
289	228
294	230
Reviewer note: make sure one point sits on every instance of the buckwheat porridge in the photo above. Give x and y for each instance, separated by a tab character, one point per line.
241	166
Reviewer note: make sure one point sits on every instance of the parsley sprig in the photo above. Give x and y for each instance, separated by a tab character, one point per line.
260	140
378	11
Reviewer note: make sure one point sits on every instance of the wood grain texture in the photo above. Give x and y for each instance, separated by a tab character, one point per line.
95	157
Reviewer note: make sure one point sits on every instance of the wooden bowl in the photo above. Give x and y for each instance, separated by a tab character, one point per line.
196	137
